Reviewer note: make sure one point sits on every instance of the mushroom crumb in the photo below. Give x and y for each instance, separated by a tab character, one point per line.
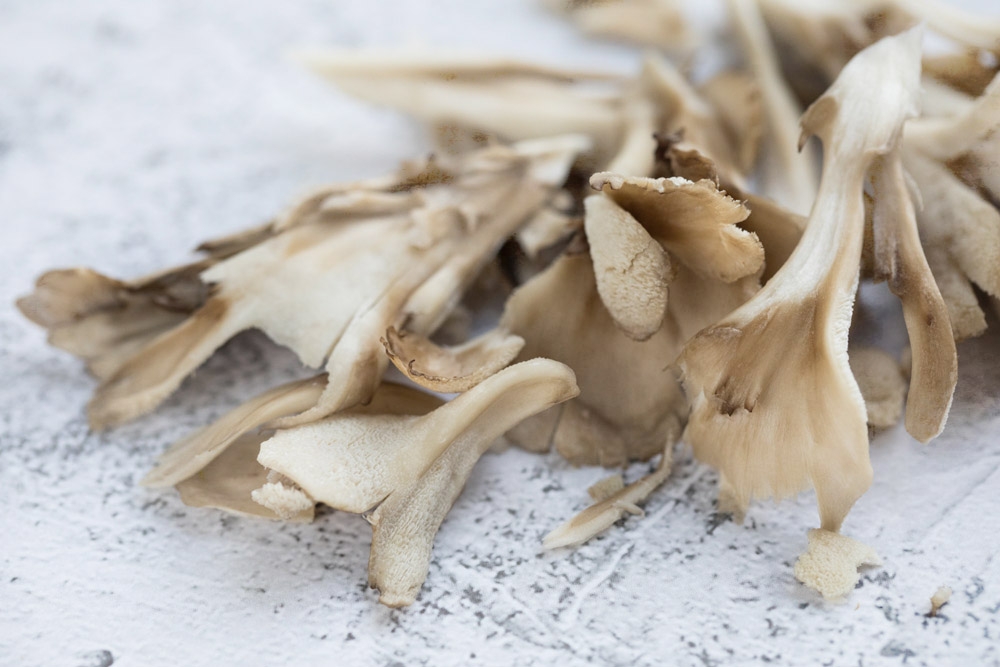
940	598
830	564
598	264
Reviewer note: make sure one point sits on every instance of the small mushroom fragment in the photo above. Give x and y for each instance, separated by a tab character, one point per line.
694	222
407	470
830	565
940	598
775	407
777	228
345	266
659	24
509	99
612	502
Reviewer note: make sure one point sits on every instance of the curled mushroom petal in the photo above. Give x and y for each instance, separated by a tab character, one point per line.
450	369
631	268
695	222
790	339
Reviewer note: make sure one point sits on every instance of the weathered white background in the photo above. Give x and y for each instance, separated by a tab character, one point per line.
130	131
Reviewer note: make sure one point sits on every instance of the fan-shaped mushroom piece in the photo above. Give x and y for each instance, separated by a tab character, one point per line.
790	339
333	278
409	468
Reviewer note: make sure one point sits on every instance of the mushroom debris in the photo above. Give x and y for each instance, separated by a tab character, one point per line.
672	261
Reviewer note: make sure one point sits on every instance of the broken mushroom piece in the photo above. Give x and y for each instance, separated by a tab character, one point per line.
658	24
775	407
830	565
329	288
467	94
612	501
407	470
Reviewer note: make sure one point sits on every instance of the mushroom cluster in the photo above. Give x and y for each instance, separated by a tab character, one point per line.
675	263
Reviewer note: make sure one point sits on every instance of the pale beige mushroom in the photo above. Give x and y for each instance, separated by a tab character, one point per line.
406	469
830	565
658	24
508	99
612	501
104	321
333	278
775	406
646	237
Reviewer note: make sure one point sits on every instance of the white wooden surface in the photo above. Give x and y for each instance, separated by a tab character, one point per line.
130	131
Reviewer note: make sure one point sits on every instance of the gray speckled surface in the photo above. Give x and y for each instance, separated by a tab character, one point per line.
129	132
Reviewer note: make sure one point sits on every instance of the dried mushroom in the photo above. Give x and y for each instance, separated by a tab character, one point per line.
406	469
328	284
643	236
790	339
463	95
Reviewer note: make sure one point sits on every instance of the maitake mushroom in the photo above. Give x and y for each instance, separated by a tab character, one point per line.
644	238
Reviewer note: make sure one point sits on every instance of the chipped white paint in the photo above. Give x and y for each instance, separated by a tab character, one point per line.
129	132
